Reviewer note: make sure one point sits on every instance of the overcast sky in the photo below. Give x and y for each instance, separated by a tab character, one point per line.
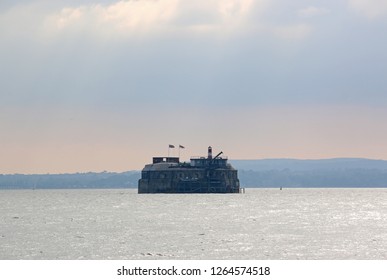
105	85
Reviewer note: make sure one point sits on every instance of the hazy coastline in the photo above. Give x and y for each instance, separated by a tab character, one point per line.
268	173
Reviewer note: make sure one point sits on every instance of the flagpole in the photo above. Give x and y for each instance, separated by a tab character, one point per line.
169	147
180	147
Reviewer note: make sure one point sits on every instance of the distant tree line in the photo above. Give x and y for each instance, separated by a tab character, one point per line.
255	178
344	178
78	180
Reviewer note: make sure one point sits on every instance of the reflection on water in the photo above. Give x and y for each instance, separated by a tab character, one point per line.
261	224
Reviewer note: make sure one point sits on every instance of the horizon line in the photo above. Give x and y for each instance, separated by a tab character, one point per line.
139	170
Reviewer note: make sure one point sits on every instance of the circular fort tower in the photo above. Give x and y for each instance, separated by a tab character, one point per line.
201	175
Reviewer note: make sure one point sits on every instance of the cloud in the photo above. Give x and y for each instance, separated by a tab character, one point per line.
120	16
146	16
371	9
312	11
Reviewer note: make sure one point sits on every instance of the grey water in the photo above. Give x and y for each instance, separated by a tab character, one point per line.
283	224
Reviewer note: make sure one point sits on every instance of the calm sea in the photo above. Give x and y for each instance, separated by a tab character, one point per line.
260	224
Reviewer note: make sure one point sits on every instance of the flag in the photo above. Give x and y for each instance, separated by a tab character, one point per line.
181	147
171	146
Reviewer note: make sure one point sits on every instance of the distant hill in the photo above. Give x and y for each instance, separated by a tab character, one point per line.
309	164
340	172
70	181
265	173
